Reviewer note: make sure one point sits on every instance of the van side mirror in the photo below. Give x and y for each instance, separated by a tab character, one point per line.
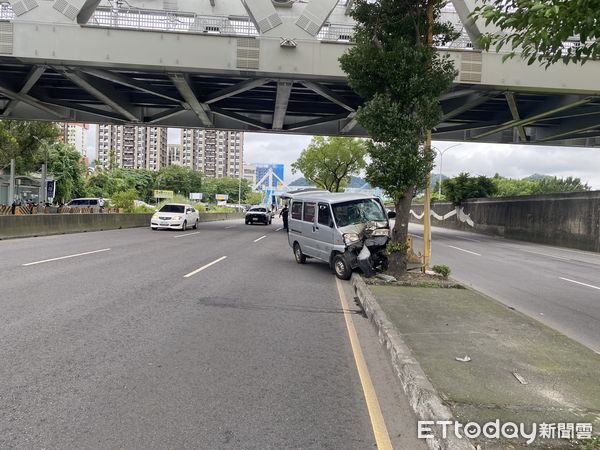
391	214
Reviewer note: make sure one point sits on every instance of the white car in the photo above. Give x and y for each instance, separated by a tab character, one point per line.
178	216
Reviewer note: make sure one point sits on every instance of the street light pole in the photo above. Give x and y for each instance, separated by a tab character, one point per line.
441	152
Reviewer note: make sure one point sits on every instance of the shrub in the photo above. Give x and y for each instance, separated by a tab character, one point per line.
442	270
125	200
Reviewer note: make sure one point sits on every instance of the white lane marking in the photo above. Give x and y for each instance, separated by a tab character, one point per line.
227	228
463	250
417	236
66	257
262	237
468	239
188	234
204	267
279	229
546	254
579	282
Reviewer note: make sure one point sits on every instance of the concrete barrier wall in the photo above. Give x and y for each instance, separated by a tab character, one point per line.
565	220
47	224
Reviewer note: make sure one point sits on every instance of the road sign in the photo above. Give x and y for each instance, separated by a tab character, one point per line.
50	189
195	195
162	194
221	197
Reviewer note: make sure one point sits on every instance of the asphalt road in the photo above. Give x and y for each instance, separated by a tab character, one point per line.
560	287
206	339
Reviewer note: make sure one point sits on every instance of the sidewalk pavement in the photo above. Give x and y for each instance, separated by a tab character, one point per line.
519	371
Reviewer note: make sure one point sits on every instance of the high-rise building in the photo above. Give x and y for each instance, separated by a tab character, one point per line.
75	134
250	173
216	153
174	153
131	147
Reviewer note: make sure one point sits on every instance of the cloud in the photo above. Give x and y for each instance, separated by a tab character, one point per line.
519	161
514	161
275	148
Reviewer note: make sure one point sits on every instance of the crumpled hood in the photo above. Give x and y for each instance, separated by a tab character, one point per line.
362	229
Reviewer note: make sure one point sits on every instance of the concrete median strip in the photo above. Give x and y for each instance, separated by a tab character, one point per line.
422	396
66	257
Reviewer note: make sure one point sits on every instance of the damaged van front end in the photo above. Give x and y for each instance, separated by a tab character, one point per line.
366	246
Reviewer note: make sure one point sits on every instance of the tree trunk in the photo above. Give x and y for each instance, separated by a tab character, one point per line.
398	260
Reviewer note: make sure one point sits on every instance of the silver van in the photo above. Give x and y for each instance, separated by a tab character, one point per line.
345	230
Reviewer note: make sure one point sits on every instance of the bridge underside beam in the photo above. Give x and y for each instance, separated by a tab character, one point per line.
288	105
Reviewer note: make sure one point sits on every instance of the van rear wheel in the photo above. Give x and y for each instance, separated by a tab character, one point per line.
300	257
341	267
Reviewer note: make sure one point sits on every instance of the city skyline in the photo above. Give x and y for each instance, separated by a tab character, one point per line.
509	160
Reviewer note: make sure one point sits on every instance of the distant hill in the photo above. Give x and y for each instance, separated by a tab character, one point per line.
434	179
300	182
537	177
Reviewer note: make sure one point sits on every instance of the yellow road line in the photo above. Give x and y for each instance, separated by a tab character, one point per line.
377	422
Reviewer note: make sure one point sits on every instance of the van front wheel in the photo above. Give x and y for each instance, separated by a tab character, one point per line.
341	267
300	257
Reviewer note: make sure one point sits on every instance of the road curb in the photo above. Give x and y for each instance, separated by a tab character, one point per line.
422	396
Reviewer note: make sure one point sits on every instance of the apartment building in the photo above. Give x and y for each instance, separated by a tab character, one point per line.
216	153
131	147
75	134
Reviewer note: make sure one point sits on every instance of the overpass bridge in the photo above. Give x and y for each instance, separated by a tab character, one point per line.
260	65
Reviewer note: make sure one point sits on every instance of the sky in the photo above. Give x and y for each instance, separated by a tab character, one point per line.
512	161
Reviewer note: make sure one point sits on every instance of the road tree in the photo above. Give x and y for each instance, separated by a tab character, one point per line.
543	30
328	162
401	77
26	142
181	180
66	165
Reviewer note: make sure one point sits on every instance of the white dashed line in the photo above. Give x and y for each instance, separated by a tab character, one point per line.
579	282
279	229
66	257
262	237
188	234
463	250
546	254
231	226
204	267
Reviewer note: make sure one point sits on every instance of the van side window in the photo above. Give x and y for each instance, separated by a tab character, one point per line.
324	214
309	212
297	210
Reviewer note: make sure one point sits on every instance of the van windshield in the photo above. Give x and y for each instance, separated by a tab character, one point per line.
358	211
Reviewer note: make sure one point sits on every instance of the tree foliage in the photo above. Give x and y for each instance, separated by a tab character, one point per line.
25	142
229	186
401	77
108	183
329	162
543	30
66	165
181	180
464	186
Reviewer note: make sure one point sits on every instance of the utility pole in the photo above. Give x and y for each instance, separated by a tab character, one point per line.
428	150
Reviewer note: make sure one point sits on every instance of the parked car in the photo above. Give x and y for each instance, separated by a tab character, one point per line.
175	216
96	203
260	214
139	203
345	230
